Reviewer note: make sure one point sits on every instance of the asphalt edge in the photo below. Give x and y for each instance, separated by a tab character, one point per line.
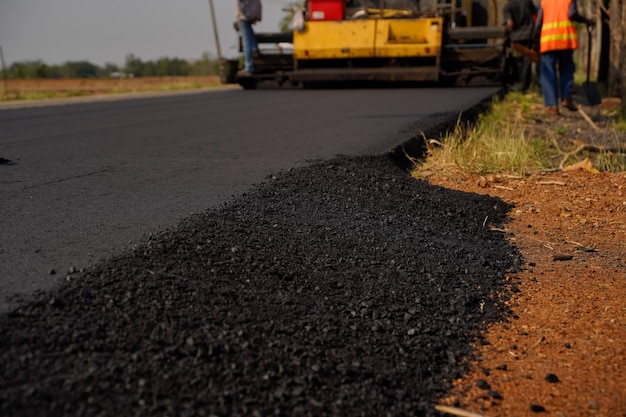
409	153
22	104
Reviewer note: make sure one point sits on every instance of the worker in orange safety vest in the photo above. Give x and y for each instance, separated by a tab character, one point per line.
557	35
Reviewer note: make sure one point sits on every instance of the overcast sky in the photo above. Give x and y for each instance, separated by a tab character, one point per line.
103	31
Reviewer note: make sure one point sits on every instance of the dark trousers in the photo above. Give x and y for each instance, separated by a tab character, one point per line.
525	69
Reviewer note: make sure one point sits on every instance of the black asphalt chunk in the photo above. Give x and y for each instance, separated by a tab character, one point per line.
552	378
482	384
345	288
495	395
537	408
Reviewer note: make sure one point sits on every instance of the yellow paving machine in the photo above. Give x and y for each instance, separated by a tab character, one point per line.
443	41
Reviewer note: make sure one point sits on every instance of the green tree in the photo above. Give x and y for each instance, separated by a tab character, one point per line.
42	71
108	69
79	69
134	66
55	71
149	69
172	67
207	65
162	67
29	69
18	70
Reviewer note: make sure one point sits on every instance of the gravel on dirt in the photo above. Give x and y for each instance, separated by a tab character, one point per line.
345	288
561	351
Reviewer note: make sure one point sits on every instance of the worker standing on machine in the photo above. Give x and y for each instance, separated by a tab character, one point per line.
519	17
247	13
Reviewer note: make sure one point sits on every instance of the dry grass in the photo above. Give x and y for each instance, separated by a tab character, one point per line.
515	138
40	89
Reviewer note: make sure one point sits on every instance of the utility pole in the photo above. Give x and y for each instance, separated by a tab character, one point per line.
217	38
4	74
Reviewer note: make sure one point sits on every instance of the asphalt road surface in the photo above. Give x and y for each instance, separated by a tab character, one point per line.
89	180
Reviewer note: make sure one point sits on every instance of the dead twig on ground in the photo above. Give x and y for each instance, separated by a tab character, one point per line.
457	411
587	118
588	148
534	345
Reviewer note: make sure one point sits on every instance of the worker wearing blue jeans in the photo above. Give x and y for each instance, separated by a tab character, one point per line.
556	32
554	81
247	13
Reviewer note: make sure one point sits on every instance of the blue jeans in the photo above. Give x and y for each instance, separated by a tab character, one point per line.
249	44
552	82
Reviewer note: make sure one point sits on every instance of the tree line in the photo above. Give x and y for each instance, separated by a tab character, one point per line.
133	67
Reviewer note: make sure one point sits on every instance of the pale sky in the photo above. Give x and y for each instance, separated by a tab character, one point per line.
102	31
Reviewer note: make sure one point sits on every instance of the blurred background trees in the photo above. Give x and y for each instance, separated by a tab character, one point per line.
134	67
616	82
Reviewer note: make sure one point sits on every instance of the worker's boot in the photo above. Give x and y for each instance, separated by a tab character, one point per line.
569	104
552	110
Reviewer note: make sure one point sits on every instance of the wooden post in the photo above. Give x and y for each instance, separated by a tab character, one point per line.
217	38
4	74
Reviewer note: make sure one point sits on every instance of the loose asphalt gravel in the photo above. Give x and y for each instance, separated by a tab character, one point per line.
345	288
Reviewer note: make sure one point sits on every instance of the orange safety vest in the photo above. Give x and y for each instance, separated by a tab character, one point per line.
557	31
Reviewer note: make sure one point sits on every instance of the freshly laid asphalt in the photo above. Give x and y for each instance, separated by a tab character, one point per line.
340	286
90	177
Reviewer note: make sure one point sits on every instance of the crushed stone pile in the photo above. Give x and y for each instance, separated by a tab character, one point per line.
344	288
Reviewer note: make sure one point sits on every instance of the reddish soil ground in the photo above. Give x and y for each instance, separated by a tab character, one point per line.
564	351
570	311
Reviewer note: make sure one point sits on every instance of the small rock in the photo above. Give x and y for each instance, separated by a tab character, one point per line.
495	395
567	345
552	378
563	257
52	272
482	384
536	408
592	405
502	367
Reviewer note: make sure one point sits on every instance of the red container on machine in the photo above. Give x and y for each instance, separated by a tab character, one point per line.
326	9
